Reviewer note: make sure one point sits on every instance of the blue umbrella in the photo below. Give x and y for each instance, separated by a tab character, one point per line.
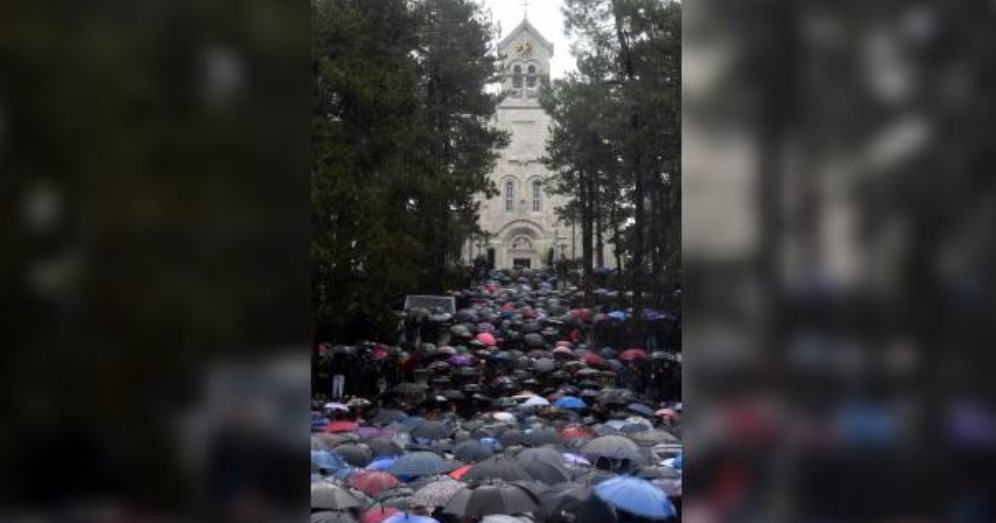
636	496
617	315
404	517
570	402
323	460
318	423
381	464
417	464
679	461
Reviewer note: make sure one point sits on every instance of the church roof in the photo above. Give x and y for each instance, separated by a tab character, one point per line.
524	26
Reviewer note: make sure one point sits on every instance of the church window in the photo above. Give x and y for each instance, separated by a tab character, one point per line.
531	76
509	196
537	191
517	76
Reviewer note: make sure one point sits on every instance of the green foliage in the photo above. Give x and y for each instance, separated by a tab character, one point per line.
616	138
401	144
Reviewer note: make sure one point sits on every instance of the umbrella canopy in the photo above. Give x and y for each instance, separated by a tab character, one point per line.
633	354
388	416
563	499
356	454
547	472
612	446
487	498
570	402
325	461
486	338
419	463
649	438
378	514
340	426
383	463
405	517
336	406
497	467
636	496
535	438
372	482
328	496
472	451
328	516
432	430
536	401
384	447
666	413
641	409
575	432
436	494
539	453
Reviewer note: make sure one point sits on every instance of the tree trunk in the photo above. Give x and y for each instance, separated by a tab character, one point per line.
599	244
586	243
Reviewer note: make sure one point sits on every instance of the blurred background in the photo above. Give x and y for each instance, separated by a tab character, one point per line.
838	243
154	268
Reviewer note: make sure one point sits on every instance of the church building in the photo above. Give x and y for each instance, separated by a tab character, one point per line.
522	227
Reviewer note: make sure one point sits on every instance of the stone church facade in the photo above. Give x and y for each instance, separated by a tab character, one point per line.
521	223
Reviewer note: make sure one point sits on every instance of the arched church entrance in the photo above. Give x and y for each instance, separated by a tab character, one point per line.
521	242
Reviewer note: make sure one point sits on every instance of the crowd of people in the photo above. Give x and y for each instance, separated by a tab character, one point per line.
516	404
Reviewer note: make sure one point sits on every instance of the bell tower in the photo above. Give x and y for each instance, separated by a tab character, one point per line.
525	64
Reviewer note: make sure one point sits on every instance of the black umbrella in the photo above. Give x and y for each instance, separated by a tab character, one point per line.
510	437
535	438
388	416
382	446
539	453
649	438
356	454
546	472
613	446
561	503
495	497
641	409
328	496
497	467
420	463
408	388
431	429
472	451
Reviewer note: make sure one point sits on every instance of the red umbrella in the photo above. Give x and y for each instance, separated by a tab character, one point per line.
340	426
582	314
372	482
592	359
458	473
378	513
486	338
633	354
575	432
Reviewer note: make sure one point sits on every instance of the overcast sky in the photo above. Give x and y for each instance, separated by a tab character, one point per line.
545	16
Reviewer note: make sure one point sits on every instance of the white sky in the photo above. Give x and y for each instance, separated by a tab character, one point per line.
546	17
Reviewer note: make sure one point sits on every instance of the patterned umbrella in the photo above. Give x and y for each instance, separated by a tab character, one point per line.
420	463
435	494
372	482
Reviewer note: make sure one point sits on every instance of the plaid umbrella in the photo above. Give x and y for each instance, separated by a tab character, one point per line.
420	463
435	494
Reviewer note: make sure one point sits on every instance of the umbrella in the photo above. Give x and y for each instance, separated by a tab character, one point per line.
431	430
472	451
332	497
535	438
504	417
388	416
636	496
544	364
570	402
384	447
539	453
536	401
459	472
488	498
337	516
378	514
575	432
357	455
420	463
497	467
574	459
340	426
593	360
358	402
436	494
649	438
641	409
335	406
409	388
405	517
666	413
383	463
460	360
565	498
372	482
323	460
612	446
318	443
546	471
486	338
633	354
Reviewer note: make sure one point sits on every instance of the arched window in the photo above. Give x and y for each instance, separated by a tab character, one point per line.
509	196
517	76
537	192
531	76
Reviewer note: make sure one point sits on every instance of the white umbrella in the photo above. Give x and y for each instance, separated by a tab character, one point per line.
336	406
536	401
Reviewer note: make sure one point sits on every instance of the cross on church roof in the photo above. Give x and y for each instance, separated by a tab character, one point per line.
525	9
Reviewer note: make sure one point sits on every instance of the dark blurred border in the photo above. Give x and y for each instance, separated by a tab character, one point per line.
155	276
839	251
